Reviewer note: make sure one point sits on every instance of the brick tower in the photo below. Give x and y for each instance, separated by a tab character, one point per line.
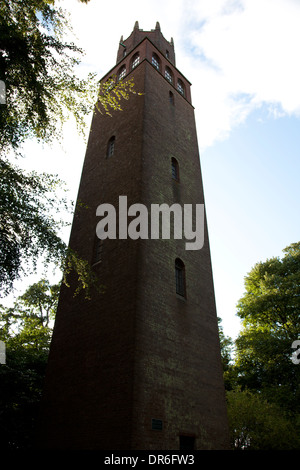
138	367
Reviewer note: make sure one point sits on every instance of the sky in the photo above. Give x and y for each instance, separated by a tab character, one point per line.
242	58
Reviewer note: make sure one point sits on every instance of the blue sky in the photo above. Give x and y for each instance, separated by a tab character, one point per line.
242	57
252	193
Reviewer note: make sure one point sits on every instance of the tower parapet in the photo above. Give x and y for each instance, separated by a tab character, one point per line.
155	36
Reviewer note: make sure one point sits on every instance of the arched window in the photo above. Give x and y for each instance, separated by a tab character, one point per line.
155	61
135	60
169	74
180	277
111	147
180	86
171	97
122	72
97	252
175	169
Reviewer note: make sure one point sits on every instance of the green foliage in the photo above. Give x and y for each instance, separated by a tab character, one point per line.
272	297
39	70
258	425
86	279
263	364
112	92
226	345
29	228
270	312
28	223
26	331
40	301
262	375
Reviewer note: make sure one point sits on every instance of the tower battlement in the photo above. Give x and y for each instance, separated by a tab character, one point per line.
155	35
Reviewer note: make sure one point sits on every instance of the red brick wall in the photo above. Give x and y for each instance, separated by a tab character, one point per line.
88	393
155	36
146	48
138	351
177	346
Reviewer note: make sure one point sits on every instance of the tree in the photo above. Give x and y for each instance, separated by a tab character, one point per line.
226	346
272	297
263	383
40	301
39	70
271	323
256	424
42	89
28	226
26	330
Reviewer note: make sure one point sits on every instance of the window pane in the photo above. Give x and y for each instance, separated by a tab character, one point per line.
98	247
175	169
180	277
111	147
122	73
168	75
180	87
155	61
135	61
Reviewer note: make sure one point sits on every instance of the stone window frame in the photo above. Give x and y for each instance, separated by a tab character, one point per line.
175	169
121	72
155	61
97	251
180	278
169	74
135	60
180	87
111	147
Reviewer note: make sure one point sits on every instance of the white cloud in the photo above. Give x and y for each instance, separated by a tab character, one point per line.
238	54
244	54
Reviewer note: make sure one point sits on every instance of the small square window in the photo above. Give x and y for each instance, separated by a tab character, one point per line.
156	424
